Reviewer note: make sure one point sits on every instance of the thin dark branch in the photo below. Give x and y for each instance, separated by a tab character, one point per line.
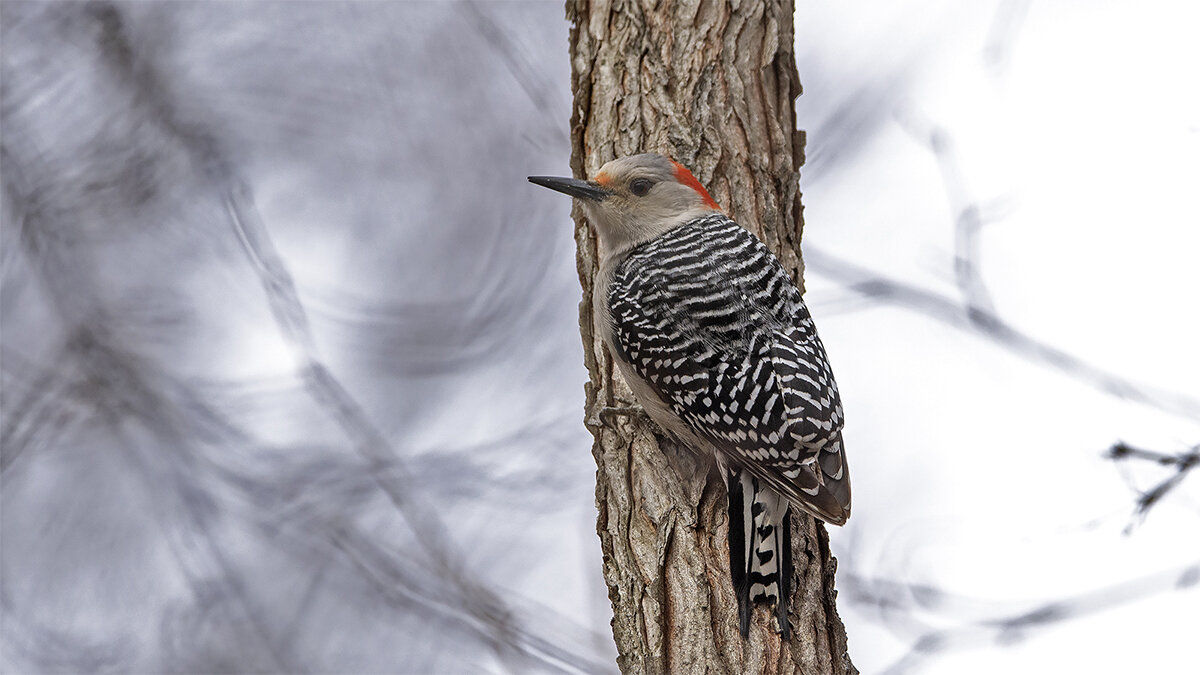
1123	450
1182	463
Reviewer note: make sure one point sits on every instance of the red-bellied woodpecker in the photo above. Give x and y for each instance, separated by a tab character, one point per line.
717	345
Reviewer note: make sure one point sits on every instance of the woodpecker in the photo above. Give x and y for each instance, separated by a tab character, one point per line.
715	341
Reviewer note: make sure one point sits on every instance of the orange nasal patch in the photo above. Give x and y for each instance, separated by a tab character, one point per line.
603	179
685	177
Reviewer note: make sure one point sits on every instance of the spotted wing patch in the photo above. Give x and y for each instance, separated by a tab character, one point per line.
711	320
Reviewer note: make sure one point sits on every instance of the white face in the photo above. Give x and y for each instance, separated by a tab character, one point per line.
647	195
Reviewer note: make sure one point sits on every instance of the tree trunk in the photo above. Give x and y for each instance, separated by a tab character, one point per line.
711	85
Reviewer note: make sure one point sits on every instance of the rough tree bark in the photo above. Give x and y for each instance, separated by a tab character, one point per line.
712	84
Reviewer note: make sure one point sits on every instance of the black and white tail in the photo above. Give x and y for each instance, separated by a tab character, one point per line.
760	547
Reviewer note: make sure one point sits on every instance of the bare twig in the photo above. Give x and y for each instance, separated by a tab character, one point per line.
1182	462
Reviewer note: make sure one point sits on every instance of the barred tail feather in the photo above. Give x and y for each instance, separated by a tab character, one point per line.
759	547
741	494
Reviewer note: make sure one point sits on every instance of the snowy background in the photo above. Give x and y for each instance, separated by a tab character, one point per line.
292	379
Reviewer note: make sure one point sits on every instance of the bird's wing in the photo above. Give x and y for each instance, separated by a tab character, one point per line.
712	321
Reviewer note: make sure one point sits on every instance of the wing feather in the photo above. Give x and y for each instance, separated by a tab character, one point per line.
713	323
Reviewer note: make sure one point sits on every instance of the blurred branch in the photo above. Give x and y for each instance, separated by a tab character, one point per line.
95	377
995	622
975	311
60	650
954	313
968	215
536	86
118	385
477	606
38	416
400	582
327	390
1006	23
385	467
124	383
386	571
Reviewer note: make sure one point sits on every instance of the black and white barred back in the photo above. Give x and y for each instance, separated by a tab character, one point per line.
710	319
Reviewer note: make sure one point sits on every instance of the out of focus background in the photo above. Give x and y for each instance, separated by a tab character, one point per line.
292	379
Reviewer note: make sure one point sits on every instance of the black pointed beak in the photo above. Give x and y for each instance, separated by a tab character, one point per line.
572	186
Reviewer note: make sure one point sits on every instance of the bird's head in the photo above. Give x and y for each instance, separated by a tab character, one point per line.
634	199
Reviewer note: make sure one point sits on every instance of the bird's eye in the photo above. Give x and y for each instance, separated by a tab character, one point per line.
640	186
